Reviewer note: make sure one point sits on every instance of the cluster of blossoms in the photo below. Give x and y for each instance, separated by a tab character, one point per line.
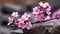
40	14
22	22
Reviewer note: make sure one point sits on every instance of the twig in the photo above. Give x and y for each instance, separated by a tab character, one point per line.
44	20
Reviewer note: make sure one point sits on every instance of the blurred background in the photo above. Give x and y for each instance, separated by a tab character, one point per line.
21	6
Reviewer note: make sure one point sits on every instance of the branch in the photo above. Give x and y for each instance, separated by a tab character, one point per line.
46	23
44	20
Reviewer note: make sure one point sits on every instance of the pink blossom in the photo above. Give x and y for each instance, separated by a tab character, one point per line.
41	3
56	14
28	25
48	9
15	14
39	14
44	5
21	25
47	4
39	17
36	10
25	16
19	21
48	13
10	20
22	22
47	18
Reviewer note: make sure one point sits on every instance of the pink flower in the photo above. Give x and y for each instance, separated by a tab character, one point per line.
19	21
47	18
41	3
21	25
44	5
39	17
22	22
10	20
28	25
48	13
48	9
39	14
36	10
25	16
15	14
48	6
56	14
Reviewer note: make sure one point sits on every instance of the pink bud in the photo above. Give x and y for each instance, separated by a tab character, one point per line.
10	20
15	14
